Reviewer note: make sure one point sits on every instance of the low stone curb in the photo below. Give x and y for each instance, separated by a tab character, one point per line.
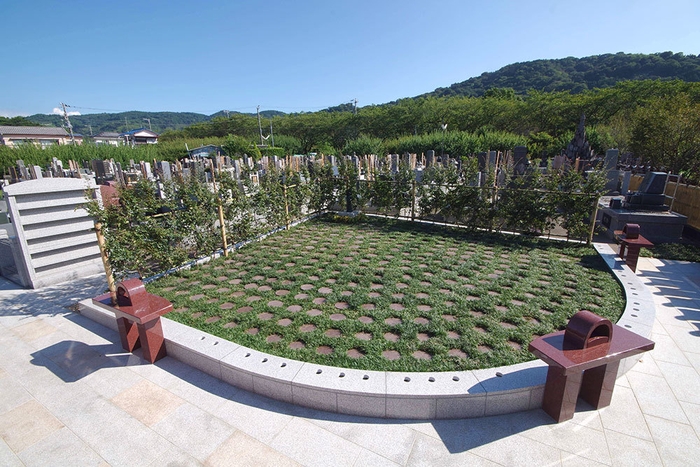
426	395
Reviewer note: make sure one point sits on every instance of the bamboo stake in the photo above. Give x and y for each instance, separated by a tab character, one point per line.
105	261
221	211
595	214
286	206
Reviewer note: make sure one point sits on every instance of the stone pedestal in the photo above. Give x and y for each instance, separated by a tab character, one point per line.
657	227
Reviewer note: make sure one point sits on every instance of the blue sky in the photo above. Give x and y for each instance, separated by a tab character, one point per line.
301	55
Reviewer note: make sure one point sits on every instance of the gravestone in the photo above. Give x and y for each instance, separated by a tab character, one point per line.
520	161
611	172
626	178
483	161
165	171
429	158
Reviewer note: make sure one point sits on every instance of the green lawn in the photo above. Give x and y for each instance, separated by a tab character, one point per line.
393	295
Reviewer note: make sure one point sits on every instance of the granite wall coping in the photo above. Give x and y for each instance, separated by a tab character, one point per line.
424	395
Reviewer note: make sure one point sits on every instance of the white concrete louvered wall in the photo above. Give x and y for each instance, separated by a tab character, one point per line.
55	235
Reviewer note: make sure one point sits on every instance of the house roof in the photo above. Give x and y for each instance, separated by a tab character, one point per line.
32	131
141	132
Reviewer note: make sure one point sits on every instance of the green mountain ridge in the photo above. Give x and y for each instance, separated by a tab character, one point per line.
570	74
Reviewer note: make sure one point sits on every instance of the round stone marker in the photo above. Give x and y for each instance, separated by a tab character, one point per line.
451	318
223	290
333	333
284	322
265	316
396	307
275	303
420	355
253	298
397	296
354	353
422	336
456	353
345	293
391	337
208	287
237	294
197	315
515	345
325	290
319	301
337	317
244	309
483	348
363	336
342	305
281	292
365	320
296	345
453	335
374	294
508	326
424	308
230	324
307	328
314	312
421	320
324	350
196	297
294	308
252	331
367	306
272	338
306	287
264	288
213	319
250	286
391	355
226	306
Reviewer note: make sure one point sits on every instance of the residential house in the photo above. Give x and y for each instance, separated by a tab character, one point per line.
39	135
140	136
111	138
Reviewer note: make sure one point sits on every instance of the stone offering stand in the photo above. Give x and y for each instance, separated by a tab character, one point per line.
429	395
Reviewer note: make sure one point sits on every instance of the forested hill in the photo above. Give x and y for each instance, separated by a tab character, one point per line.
124	121
579	74
92	124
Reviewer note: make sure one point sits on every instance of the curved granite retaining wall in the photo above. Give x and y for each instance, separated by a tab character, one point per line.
429	395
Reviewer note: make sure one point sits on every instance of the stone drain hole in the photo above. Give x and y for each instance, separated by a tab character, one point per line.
264	360
499	374
341	375
247	355
365	377
283	365
319	371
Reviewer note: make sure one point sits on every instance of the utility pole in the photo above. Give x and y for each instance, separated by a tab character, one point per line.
226	112
271	135
149	123
262	140
67	123
355	108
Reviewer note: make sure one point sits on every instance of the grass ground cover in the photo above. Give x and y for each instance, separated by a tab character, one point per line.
393	295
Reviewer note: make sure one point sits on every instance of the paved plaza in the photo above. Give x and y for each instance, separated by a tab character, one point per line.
69	395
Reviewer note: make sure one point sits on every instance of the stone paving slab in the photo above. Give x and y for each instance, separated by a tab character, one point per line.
69	396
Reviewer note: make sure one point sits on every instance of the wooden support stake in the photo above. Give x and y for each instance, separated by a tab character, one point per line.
595	214
286	205
413	200
105	261
221	212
